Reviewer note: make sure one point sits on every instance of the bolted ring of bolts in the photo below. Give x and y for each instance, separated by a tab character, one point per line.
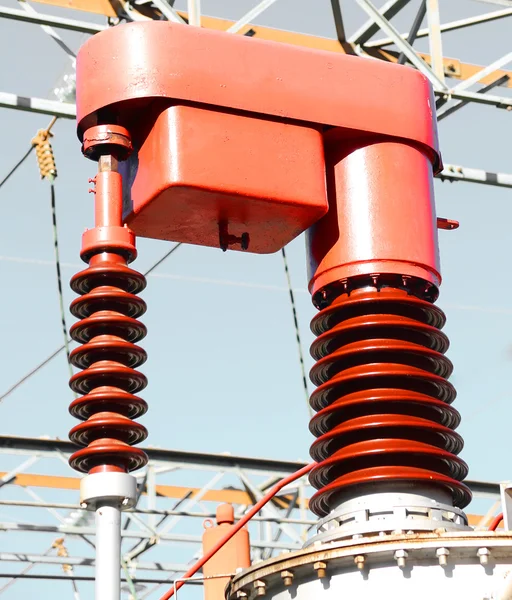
360	561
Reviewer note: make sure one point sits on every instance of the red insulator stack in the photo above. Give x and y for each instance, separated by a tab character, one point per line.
384	419
384	416
108	329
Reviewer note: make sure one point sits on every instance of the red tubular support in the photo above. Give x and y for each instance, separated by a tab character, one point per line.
236	528
384	420
494	524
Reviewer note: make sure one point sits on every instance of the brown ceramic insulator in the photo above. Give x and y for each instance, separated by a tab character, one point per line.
108	329
384	419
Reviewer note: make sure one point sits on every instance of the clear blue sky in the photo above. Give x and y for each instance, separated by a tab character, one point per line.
223	368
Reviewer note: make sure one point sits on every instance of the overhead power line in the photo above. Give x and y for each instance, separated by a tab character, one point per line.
17	166
297	332
59	276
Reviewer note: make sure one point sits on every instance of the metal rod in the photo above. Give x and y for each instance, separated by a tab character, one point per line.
83	561
8	477
108	553
38	105
195	581
57	22
498	101
194	13
249	16
497	64
402	44
455	173
338	21
450	26
164	537
370	28
168	11
169	513
449	111
411	38
497	2
49	31
434	38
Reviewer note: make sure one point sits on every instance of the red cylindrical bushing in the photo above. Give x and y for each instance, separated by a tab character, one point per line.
381	215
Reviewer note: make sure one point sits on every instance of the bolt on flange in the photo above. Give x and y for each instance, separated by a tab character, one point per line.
400	557
321	569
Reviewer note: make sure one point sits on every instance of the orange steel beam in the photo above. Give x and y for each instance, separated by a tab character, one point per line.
453	67
238	497
100	7
169	491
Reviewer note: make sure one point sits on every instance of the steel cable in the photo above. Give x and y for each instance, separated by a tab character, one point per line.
297	331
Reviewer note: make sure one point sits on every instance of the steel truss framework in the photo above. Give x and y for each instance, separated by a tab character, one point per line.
392	45
32	503
38	497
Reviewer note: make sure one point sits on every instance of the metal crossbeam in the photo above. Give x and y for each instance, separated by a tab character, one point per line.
381	21
413	33
30	10
456	173
338	21
445	27
57	22
164	537
370	28
249	16
83	561
169	12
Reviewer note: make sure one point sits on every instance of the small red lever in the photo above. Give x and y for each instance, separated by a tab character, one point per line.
448	224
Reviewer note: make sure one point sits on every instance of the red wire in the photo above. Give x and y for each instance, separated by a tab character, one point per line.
495	522
236	528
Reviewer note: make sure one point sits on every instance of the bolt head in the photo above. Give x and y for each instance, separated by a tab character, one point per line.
359	561
287	577
261	588
442	554
83	504
125	501
400	556
321	569
484	555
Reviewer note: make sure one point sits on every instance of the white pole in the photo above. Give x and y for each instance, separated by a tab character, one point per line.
108	552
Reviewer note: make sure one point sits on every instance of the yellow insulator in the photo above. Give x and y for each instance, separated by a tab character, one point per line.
44	154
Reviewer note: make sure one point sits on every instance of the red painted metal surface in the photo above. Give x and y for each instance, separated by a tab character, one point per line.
235	554
204	175
128	67
381	218
108	309
228	131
